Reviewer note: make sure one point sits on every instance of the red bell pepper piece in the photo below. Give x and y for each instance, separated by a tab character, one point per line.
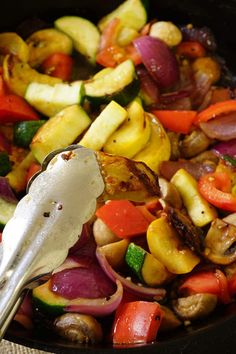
232	285
58	65
212	282
215	188
5	144
14	108
214	110
136	322
123	218
176	121
191	49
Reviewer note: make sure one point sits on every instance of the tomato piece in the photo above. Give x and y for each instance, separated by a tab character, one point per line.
58	65
34	168
177	121
14	108
110	53
109	35
207	282
216	109
111	56
215	187
136	322
123	218
191	49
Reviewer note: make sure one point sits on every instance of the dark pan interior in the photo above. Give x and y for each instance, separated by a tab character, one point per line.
218	333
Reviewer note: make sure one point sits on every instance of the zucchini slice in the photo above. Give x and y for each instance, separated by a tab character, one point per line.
145	266
5	163
24	132
84	34
119	84
132	13
50	100
59	131
104	126
133	134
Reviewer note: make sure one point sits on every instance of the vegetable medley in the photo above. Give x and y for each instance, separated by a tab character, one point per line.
157	106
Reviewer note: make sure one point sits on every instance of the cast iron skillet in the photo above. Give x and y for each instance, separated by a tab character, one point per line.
216	334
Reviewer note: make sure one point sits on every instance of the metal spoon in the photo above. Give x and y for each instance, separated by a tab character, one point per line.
46	223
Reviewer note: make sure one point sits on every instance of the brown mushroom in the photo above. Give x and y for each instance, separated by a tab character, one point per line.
102	234
78	328
220	243
195	306
169	320
194	143
170	193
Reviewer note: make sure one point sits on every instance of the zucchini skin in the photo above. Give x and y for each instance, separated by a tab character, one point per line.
5	163
123	97
24	132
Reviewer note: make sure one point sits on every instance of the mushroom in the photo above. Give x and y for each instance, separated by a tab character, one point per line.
195	306
78	328
194	143
102	234
169	320
220	243
170	193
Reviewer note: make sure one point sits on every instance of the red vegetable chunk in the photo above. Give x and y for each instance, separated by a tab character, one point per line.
136	322
123	218
86	282
14	108
158	59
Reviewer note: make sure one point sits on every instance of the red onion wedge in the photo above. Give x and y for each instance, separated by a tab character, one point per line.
226	148
97	307
158	59
222	128
141	291
82	282
148	85
6	191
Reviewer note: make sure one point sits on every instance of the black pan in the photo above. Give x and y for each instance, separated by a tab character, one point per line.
216	334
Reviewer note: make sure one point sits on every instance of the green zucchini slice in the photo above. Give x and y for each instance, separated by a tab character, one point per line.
119	84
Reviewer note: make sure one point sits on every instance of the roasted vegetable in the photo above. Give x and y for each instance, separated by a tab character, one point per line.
102	234
195	306
51	99
165	244
78	328
115	253
45	42
132	135
59	131
11	43
103	127
144	265
18	75
219	243
199	210
158	147
127	179
84	34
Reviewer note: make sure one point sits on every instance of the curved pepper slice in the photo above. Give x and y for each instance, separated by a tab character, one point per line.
215	188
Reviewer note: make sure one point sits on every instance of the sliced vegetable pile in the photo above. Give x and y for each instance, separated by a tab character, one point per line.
142	265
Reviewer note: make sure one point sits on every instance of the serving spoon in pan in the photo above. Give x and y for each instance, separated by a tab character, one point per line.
48	220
